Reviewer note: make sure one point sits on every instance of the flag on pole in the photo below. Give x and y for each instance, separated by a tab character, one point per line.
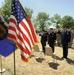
6	46
21	30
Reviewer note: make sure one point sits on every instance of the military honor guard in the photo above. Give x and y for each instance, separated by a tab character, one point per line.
51	38
65	40
43	39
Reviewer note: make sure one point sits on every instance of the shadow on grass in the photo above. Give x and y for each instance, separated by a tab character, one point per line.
53	65
58	58
70	61
40	60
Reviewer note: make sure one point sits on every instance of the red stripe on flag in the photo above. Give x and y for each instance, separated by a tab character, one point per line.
23	49
12	28
13	21
25	37
32	29
11	36
23	58
25	27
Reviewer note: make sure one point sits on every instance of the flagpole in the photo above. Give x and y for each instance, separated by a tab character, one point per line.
1	65
14	63
1	69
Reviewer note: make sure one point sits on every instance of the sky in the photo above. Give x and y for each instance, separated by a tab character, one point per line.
51	7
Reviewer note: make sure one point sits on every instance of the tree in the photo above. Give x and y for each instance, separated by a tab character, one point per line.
42	20
36	24
29	12
5	10
56	20
68	21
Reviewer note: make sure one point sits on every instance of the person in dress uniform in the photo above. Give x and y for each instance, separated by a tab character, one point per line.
43	40
72	37
65	40
51	38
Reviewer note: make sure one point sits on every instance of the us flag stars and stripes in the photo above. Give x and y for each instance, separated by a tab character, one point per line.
16	11
21	30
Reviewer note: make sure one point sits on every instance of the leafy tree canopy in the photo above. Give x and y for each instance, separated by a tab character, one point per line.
56	19
5	10
68	21
42	20
29	12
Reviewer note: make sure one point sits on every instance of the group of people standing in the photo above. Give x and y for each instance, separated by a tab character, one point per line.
50	36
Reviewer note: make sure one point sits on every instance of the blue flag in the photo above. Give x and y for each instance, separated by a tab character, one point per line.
6	46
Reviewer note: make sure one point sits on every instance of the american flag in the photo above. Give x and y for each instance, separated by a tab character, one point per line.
21	30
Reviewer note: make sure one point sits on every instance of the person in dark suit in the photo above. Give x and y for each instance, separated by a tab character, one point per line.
43	39
51	38
65	40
